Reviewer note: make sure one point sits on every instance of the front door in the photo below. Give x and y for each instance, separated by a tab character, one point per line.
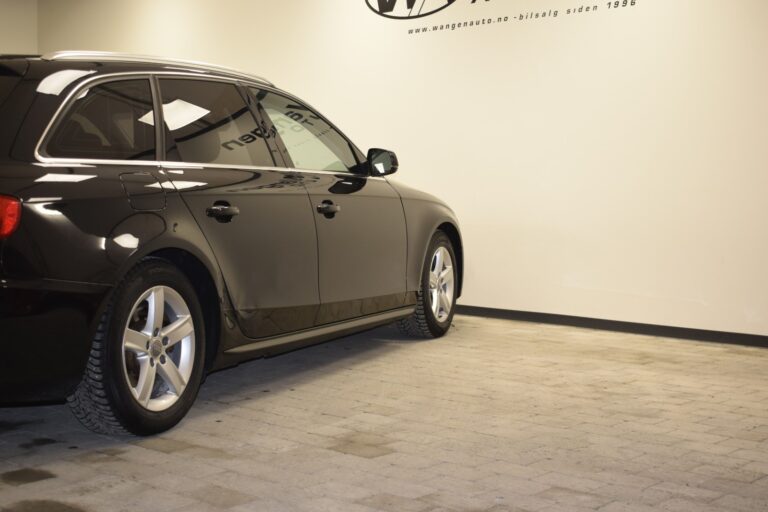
255	215
361	232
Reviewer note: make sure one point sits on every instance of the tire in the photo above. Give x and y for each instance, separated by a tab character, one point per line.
129	386
427	321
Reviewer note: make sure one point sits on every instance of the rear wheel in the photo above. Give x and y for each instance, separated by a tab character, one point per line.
146	361
436	299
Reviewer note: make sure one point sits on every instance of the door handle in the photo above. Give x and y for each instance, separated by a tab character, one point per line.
328	208
222	212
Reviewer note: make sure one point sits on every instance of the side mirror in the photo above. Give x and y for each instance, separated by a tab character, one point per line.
382	162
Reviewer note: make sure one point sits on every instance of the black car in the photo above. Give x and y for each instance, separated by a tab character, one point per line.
162	219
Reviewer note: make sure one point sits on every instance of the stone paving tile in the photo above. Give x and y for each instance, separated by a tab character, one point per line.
569	482
688	505
565	497
686	490
740	475
746	504
222	497
497	416
636	495
620	506
395	503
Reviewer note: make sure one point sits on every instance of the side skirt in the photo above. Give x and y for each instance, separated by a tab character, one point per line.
280	344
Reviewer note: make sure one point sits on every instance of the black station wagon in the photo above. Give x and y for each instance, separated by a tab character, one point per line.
162	219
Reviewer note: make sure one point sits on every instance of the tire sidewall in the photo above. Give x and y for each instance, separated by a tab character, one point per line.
129	413
437	328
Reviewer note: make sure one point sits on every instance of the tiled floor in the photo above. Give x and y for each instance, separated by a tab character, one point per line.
497	416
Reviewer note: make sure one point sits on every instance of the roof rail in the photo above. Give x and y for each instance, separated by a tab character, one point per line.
127	57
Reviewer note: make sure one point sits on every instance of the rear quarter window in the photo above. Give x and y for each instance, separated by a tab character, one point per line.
110	121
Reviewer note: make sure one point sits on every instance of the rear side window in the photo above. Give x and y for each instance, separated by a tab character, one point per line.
111	121
210	123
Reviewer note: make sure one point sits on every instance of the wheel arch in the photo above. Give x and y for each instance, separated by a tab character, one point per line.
458	248
207	293
423	219
208	285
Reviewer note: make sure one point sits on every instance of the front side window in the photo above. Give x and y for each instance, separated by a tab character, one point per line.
110	121
210	123
309	140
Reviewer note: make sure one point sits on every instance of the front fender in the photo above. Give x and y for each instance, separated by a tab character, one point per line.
425	214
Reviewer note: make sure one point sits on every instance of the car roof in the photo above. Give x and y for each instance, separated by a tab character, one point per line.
145	61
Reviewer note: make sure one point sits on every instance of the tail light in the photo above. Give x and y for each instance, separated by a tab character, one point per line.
10	215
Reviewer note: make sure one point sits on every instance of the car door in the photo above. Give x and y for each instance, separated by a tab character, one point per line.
255	215
361	232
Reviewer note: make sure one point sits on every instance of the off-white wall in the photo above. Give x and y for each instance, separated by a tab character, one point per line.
18	26
610	165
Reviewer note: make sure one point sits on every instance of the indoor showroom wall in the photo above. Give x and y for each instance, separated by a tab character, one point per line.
18	26
608	164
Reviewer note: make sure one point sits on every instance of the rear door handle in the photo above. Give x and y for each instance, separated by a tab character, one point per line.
328	208
222	212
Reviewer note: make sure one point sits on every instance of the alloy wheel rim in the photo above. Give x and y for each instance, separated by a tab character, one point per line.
158	348
441	282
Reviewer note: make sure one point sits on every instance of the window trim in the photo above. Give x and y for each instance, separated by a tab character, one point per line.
161	162
274	147
41	150
159	119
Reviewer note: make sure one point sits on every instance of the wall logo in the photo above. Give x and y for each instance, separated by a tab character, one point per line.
407	9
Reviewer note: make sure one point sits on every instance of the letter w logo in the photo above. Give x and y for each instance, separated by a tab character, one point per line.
386	6
407	9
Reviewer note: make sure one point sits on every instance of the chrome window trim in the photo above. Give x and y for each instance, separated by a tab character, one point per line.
172	166
110	77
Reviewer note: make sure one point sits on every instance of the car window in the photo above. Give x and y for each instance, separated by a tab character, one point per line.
210	122
310	141
111	121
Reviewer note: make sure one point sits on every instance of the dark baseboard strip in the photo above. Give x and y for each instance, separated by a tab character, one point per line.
612	325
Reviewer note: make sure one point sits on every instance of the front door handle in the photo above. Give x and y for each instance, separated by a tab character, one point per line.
328	208
222	212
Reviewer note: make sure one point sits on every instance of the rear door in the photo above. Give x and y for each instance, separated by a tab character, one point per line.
361	233
255	214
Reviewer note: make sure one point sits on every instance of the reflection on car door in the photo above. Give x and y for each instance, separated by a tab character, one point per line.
361	233
257	220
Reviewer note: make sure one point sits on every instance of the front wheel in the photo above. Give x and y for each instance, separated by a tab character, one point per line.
436	299
146	360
